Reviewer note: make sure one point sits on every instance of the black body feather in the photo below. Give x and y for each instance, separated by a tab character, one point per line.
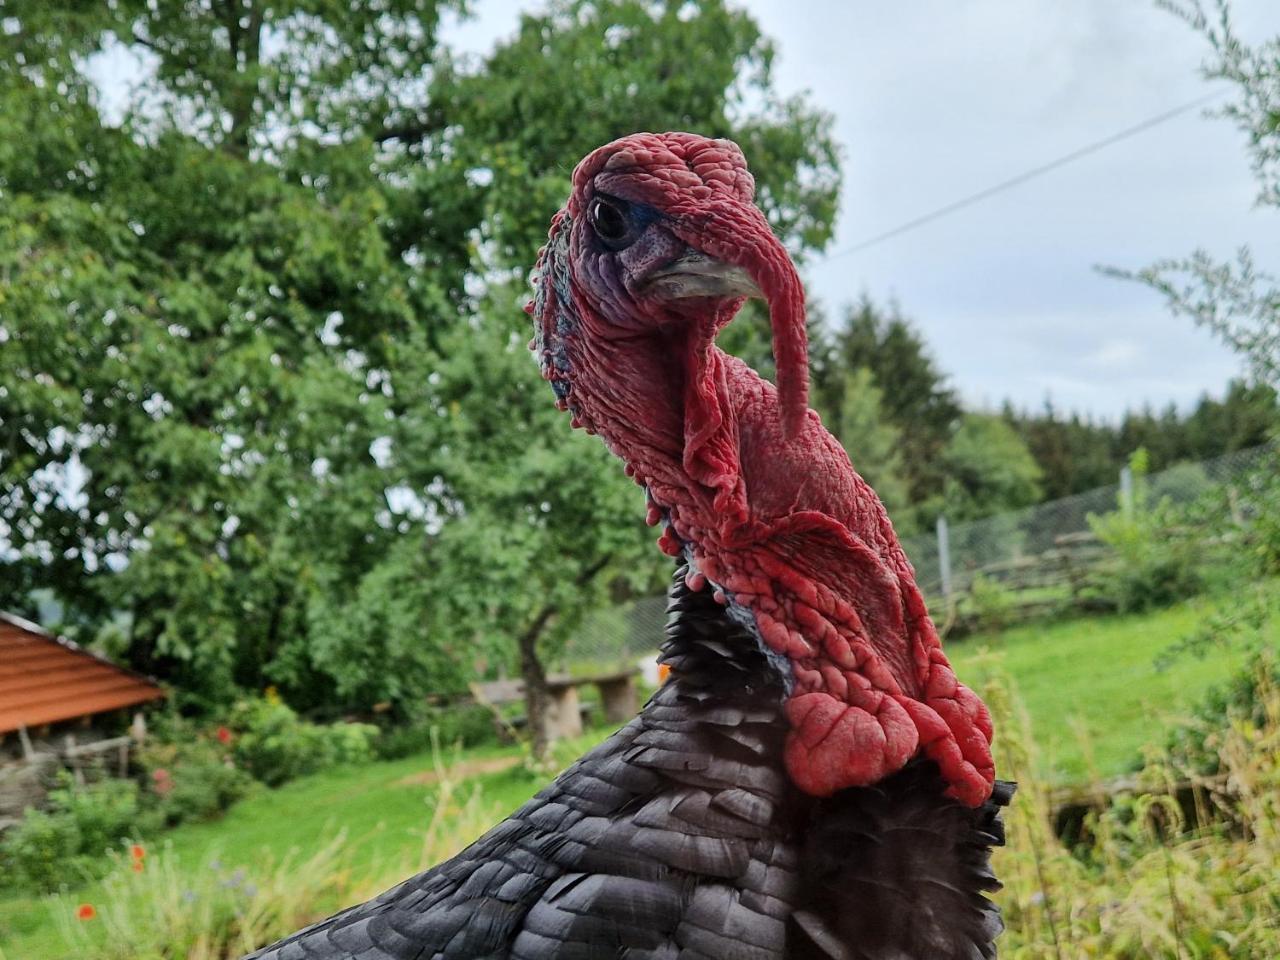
682	837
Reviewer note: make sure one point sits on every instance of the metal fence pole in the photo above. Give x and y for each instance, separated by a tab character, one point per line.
1126	489
944	556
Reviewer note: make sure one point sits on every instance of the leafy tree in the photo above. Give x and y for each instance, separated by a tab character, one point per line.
554	518
988	470
269	394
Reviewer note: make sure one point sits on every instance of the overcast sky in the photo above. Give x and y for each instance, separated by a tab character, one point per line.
935	100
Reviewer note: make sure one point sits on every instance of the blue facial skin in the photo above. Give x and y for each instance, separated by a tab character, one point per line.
550	345
638	217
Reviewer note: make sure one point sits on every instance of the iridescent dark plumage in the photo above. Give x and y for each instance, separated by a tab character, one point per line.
813	782
682	836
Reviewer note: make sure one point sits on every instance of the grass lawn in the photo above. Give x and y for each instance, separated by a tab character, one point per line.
383	807
1090	685
1092	678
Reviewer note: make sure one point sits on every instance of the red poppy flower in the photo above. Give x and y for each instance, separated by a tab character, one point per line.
224	735
86	911
137	851
137	866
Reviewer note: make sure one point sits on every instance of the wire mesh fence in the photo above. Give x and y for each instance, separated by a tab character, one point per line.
1054	537
947	559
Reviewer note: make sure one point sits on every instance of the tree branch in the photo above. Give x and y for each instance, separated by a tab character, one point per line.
406	132
149	44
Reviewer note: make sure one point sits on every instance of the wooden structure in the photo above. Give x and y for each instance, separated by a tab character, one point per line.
618	700
53	694
1035	585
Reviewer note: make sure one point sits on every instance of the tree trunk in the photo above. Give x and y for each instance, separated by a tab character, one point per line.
536	697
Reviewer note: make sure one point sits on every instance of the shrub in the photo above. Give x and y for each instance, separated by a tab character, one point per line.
189	773
191	777
275	745
1261	495
203	790
1244	700
988	605
69	841
468	725
1157	567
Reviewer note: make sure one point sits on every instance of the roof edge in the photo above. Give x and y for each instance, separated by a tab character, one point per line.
22	623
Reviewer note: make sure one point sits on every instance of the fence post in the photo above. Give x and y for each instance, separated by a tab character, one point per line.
1126	489
944	556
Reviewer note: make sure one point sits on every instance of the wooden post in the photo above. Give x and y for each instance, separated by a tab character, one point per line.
28	752
73	757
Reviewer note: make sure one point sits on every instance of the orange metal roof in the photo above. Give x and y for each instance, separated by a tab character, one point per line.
45	679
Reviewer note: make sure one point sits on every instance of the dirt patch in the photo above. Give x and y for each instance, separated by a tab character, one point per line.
460	771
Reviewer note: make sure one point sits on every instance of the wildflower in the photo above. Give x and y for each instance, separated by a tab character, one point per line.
224	736
137	851
137	866
86	911
161	781
215	865
250	890
188	896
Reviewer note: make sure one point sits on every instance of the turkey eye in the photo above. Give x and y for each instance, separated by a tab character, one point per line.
609	220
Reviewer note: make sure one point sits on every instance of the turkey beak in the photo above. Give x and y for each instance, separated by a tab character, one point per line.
695	274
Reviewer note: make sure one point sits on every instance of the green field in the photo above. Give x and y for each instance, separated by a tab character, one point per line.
1089	685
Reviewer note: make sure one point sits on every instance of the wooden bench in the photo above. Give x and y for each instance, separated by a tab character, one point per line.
565	710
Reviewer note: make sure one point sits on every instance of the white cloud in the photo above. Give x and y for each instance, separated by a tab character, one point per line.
1114	353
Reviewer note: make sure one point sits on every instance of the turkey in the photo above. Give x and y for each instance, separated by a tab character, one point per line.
812	781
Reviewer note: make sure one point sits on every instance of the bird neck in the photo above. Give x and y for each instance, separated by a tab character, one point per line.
662	403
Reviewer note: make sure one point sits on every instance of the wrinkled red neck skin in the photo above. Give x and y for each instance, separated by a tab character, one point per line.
774	518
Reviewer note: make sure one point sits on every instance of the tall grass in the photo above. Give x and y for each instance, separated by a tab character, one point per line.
1144	883
158	908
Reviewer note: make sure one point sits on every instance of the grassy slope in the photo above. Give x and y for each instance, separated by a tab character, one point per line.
383	807
1090	685
1093	675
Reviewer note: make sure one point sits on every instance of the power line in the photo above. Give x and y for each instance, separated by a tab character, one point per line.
1031	174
